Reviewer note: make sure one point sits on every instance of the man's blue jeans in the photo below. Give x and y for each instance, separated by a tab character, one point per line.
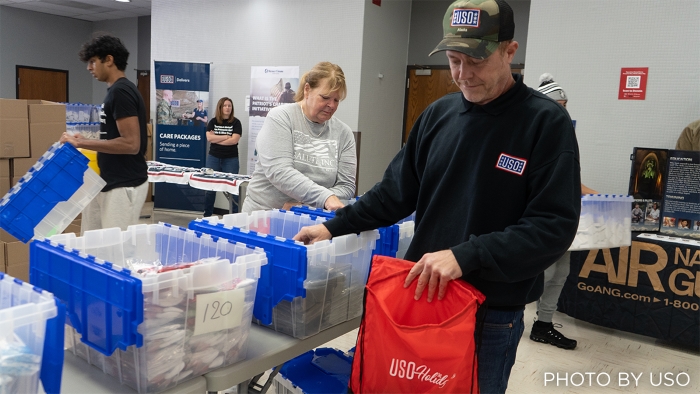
499	341
229	165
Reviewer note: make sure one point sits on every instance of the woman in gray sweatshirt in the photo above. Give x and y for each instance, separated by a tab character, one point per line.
305	155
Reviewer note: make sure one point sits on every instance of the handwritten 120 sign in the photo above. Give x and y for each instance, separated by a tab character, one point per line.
219	311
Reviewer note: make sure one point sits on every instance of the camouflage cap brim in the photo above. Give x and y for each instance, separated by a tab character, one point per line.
472	47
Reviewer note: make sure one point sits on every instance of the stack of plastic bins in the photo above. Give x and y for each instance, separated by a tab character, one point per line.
50	195
87	130
71	112
31	338
152	331
324	370
605	222
305	288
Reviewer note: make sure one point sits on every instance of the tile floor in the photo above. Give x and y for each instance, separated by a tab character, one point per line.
601	353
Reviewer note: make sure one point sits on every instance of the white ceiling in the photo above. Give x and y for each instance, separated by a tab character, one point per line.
88	10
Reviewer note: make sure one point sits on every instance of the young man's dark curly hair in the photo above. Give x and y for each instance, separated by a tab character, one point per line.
104	45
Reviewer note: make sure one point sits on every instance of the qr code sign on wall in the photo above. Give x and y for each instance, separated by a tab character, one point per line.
633	81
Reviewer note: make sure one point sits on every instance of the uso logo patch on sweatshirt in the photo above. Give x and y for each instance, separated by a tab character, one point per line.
512	164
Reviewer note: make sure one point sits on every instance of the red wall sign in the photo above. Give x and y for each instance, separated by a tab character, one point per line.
633	83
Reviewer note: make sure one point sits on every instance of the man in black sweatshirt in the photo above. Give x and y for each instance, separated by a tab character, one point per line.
493	176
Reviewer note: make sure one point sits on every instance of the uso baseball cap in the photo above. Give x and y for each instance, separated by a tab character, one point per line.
475	27
200	101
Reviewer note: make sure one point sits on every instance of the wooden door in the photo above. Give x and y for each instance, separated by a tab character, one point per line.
34	83
426	85
423	87
144	86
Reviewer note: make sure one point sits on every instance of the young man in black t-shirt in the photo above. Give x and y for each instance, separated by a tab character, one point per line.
122	145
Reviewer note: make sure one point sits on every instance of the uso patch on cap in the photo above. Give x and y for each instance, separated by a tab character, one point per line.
465	18
512	164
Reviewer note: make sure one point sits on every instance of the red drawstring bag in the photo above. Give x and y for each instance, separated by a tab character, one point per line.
409	346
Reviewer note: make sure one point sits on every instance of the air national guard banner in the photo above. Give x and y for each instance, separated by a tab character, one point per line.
182	113
650	288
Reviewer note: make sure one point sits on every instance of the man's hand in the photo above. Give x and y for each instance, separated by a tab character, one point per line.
436	270
332	203
311	234
73	139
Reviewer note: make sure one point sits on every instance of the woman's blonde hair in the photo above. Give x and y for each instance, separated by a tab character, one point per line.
320	72
220	111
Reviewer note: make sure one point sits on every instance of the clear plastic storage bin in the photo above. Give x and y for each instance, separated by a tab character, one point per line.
305	288
392	240
152	329
605	222
29	347
87	130
79	112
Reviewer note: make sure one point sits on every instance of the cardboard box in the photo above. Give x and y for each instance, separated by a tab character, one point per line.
42	111
47	121
5	168
17	260
74	226
19	271
21	166
5	185
16	253
43	135
7	237
5	176
14	128
13	109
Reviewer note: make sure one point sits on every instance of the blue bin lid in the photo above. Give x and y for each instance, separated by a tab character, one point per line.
52	359
323	371
282	278
39	190
105	305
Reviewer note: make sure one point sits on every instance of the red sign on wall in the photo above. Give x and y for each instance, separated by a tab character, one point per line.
633	83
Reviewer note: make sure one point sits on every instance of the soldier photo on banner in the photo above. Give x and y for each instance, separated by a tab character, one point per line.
181	107
269	92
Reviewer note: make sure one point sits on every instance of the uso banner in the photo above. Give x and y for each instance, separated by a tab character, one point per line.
650	288
182	113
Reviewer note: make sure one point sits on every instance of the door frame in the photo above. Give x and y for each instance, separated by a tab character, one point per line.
148	86
18	67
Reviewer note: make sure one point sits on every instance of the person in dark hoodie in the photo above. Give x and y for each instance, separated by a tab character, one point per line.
493	175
